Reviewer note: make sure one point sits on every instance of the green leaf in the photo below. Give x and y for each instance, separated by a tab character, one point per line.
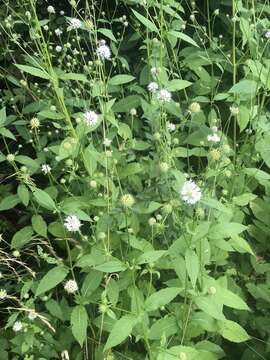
73	76
228	298
78	321
146	207
127	103
44	199
177	84
224	230
9	202
7	133
3	116
167	326
48	114
120	79
51	279
34	71
210	306
120	331
39	225
161	298
192	266
184	37
147	23
108	33
22	237
150	256
111	266
241	245
232	331
23	194
244	199
246	87
91	282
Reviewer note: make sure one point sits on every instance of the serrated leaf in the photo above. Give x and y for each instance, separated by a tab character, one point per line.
44	199
34	71
161	298
78	322
51	279
120	331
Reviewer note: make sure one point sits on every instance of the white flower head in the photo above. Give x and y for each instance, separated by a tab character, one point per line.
171	127
153	71
107	142
58	48
51	9
71	286
190	192
72	223
3	294
152	87
91	118
46	169
58	32
32	315
234	110
75	23
164	95
103	52
17	326
213	138
267	34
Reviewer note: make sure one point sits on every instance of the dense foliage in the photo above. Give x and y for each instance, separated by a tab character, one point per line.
135	183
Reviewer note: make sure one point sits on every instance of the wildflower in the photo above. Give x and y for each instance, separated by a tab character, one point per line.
183	356
267	34
153	71
212	290
107	142
171	127
28	15
195	107
10	157
214	129
93	184
164	96
127	200
152	87
62	12
133	112
46	169
89	24
164	167
34	122
215	154
103	52
17	326
91	118
213	138
72	223
3	294
234	110
32	315
51	9
216	12
190	192
58	48
58	32
152	221
71	286
75	24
